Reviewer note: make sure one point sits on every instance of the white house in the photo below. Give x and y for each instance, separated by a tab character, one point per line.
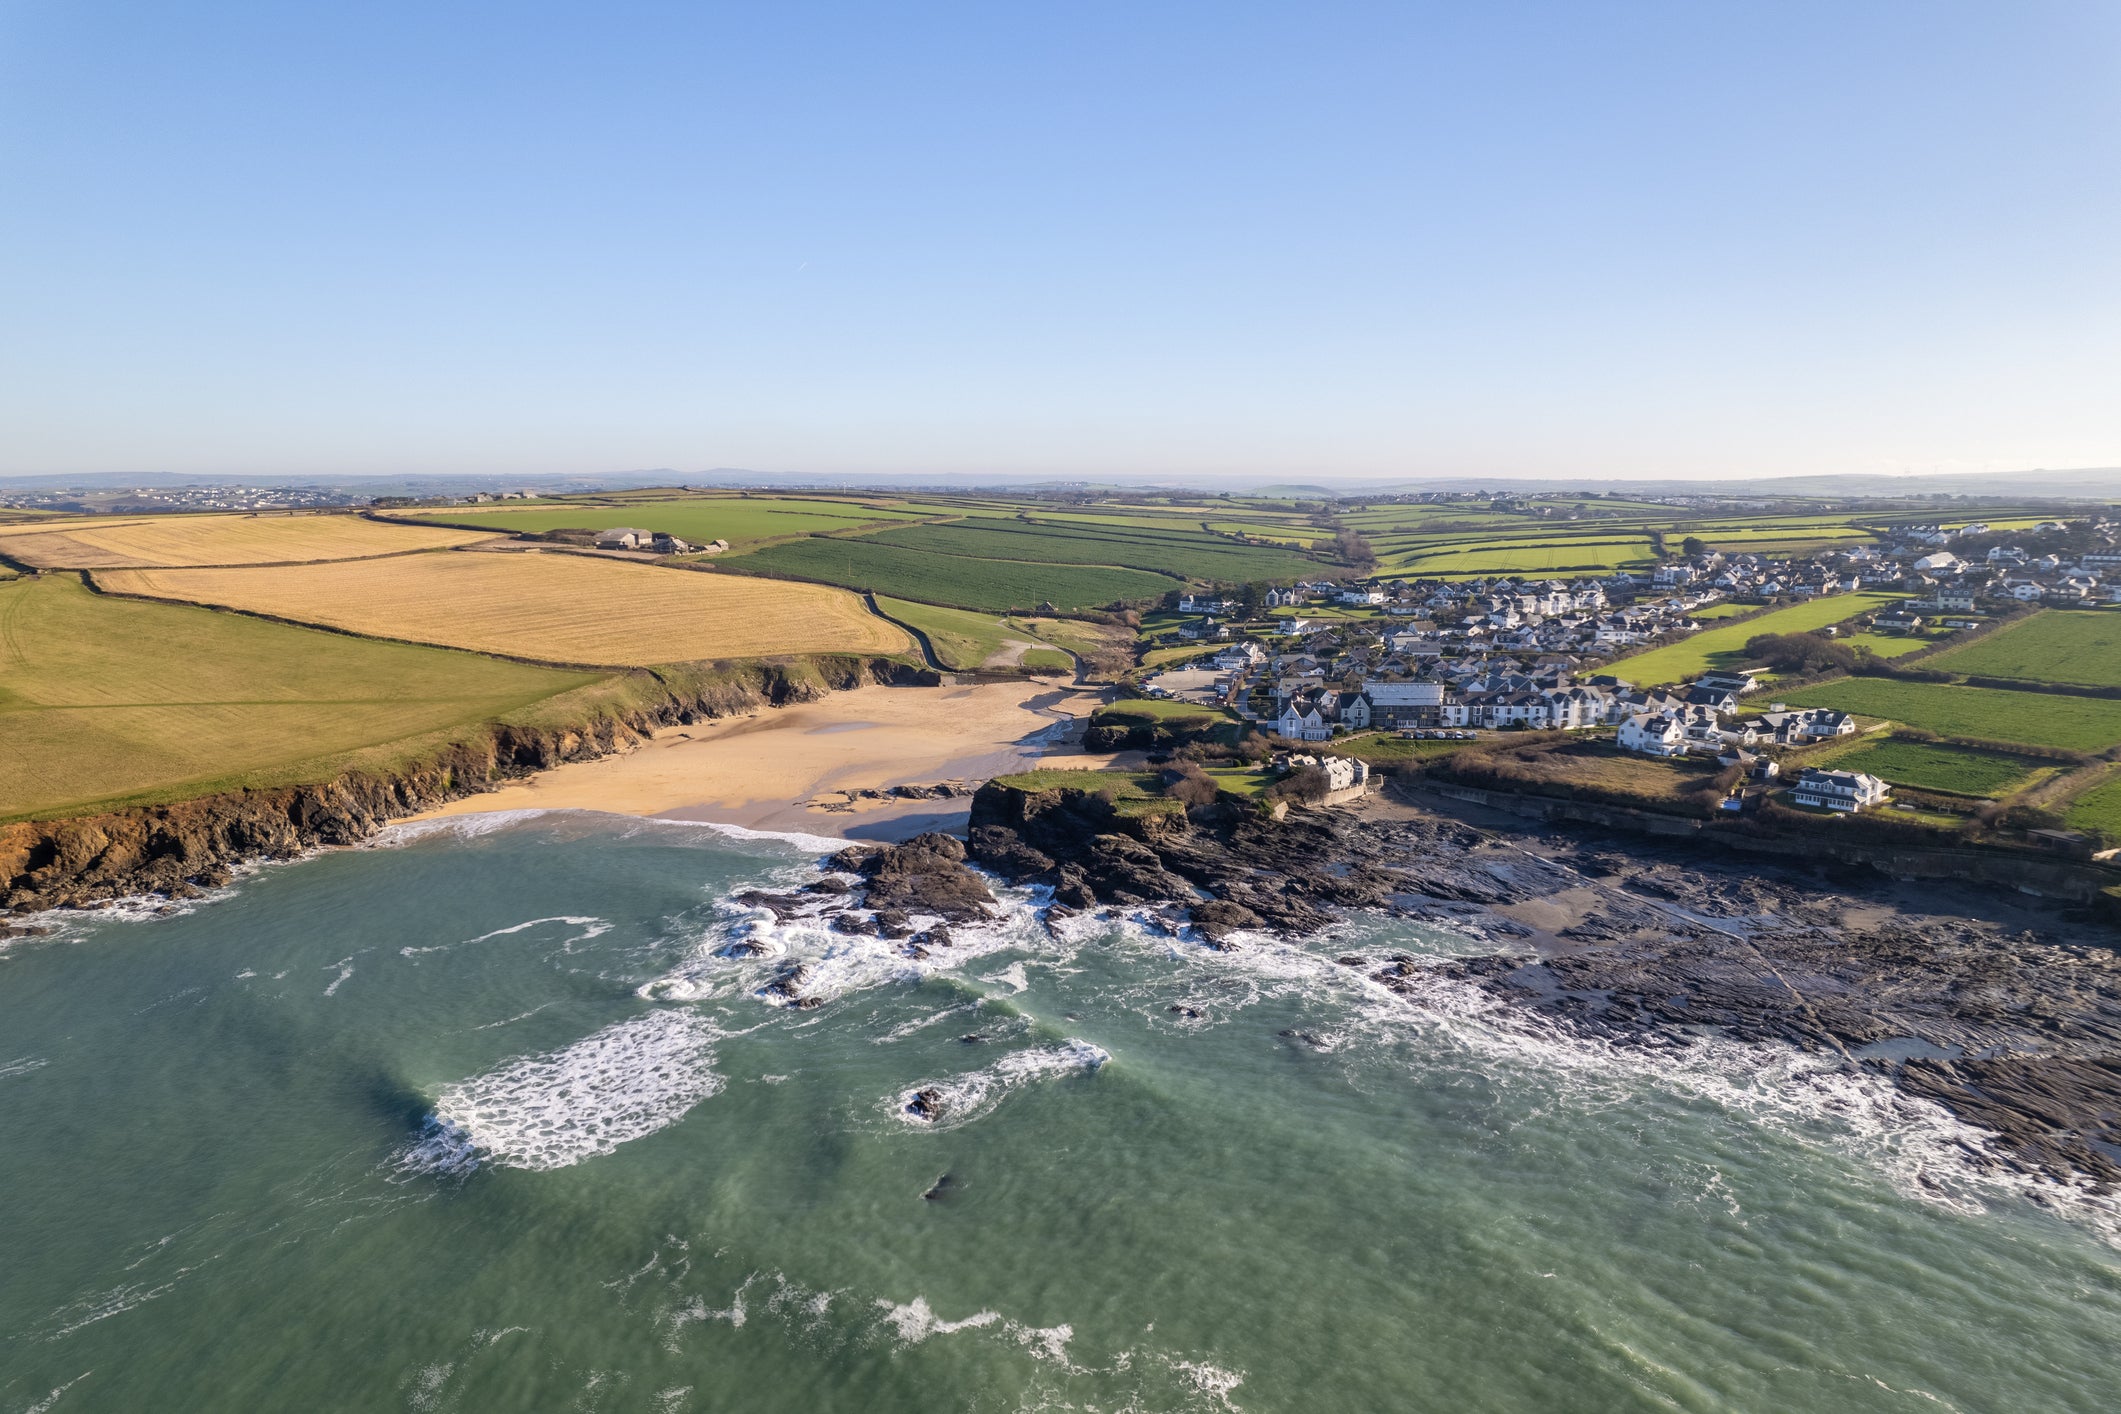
1653	734
1943	562
1838	790
1360	595
1809	724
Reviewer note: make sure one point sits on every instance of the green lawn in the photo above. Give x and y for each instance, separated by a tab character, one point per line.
1940	766
957	580
1722	611
1158	709
1984	713
1888	645
107	702
1389	746
2080	646
1725	647
1165	657
1047	660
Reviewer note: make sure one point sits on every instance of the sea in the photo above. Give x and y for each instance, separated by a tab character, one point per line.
486	1116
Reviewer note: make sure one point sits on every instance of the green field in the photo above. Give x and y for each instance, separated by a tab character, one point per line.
739	520
1887	645
1984	713
1722	611
2098	809
2081	646
1725	647
1959	770
108	701
960	637
1191	554
956	580
1528	557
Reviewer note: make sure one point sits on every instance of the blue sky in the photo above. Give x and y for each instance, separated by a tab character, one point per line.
1707	238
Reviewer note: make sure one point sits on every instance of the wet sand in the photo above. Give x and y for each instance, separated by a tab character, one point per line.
764	771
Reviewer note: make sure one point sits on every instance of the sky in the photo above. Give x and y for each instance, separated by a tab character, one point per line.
1706	238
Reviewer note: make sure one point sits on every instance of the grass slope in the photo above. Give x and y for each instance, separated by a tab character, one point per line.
956	580
960	637
1941	766
1987	714
105	702
1725	647
554	607
2080	646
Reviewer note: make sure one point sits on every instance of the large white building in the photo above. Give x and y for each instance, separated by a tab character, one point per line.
1838	790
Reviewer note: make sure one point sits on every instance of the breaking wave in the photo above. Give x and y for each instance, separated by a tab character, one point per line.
553	1110
947	1104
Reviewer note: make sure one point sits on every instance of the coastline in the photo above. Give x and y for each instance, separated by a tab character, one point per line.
824	767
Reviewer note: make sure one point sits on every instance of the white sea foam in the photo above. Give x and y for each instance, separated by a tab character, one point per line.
968	1097
549	1111
914	1321
837	964
1922	1149
591	927
43	1405
470	827
22	1065
346	970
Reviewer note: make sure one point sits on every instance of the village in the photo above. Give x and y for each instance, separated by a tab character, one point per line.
1451	660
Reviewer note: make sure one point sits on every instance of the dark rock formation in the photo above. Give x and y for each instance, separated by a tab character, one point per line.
1945	993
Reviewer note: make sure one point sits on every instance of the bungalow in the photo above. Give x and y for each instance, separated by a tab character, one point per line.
1838	790
1201	604
1739	681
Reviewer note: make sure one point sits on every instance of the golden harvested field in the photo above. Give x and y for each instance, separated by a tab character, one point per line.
152	541
553	607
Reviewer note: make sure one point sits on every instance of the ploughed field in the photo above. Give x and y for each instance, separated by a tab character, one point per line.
1983	713
217	540
2080	646
552	607
109	701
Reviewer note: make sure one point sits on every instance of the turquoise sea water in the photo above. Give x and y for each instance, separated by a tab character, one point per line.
481	1121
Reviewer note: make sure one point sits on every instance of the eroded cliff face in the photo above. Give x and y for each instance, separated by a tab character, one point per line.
181	848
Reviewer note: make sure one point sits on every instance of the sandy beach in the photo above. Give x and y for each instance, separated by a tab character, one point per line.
793	768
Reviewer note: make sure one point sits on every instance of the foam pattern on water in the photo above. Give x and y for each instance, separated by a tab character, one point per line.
969	1097
549	1111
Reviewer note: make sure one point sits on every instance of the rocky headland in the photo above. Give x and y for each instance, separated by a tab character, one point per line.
2005	1011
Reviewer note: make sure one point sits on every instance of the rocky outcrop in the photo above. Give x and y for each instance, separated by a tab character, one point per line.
2005	1010
181	848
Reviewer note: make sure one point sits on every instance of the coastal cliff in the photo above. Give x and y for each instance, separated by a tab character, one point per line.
176	849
